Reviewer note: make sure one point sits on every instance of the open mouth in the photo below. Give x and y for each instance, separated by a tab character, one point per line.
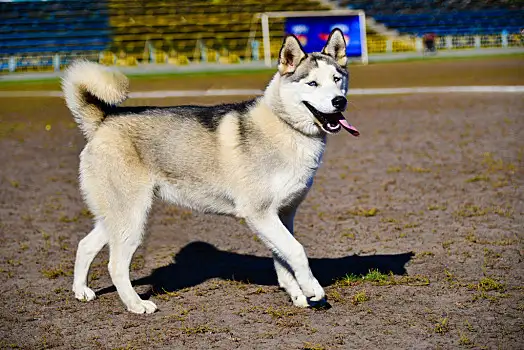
332	122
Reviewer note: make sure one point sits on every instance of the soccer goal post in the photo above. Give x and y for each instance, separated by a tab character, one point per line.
312	29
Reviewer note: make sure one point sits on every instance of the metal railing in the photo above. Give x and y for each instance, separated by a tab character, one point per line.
375	44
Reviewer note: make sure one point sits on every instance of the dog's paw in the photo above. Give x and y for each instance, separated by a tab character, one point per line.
142	307
84	293
313	290
300	301
319	294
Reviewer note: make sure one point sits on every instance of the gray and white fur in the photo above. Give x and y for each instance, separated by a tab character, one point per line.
253	160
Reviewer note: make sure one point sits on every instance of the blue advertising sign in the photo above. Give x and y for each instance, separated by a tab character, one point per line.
313	32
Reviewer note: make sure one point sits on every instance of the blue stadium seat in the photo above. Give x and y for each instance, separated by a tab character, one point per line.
57	26
443	16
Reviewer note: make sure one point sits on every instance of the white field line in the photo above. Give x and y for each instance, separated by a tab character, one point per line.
251	92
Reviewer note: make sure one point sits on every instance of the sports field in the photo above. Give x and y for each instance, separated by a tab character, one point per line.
416	228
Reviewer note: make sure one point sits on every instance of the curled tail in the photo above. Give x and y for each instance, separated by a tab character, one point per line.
89	88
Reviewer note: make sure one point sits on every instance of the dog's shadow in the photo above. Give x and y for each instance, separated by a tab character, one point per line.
200	261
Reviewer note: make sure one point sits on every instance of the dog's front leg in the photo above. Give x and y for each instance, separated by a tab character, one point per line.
286	278
288	252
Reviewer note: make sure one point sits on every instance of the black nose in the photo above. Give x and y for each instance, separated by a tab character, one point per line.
339	103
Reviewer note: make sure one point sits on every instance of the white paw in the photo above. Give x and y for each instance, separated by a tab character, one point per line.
313	290
142	307
300	301
84	293
319	292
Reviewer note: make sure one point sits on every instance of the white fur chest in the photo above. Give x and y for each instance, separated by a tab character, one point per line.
296	173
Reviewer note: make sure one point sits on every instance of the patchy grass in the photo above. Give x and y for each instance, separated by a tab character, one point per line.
311	346
378	278
447	244
67	219
335	296
487	284
441	207
442	326
363	212
470	210
359	298
471	237
487	288
504	212
393	169
389	220
280	312
478	178
166	295
259	290
423	254
493	164
53	273
419	170
138	263
14	183
464	340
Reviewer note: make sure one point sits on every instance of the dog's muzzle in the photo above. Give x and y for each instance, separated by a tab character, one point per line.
332	122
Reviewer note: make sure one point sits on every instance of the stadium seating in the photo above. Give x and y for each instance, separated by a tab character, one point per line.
137	28
46	27
188	27
444	17
179	31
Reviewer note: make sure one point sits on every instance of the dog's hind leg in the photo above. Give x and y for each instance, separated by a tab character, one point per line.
119	191
127	227
88	248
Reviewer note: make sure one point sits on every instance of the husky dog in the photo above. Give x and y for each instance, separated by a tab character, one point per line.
253	160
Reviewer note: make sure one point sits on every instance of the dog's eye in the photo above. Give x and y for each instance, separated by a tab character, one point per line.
313	83
336	79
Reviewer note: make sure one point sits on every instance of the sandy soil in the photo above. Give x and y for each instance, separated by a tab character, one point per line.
430	198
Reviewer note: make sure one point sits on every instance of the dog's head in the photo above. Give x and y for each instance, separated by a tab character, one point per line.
313	87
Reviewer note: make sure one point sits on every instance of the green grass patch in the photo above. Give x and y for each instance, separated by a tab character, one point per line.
311	346
363	212
442	207
280	312
478	178
393	169
442	326
53	273
487	284
469	210
359	297
378	278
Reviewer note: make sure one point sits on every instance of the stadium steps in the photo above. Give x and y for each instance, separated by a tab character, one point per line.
443	17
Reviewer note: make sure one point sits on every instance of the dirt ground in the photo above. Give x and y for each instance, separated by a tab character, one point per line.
429	199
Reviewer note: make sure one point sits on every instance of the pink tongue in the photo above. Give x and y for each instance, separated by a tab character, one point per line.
349	127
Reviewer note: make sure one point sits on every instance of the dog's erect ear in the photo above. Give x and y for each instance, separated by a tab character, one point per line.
291	54
336	47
